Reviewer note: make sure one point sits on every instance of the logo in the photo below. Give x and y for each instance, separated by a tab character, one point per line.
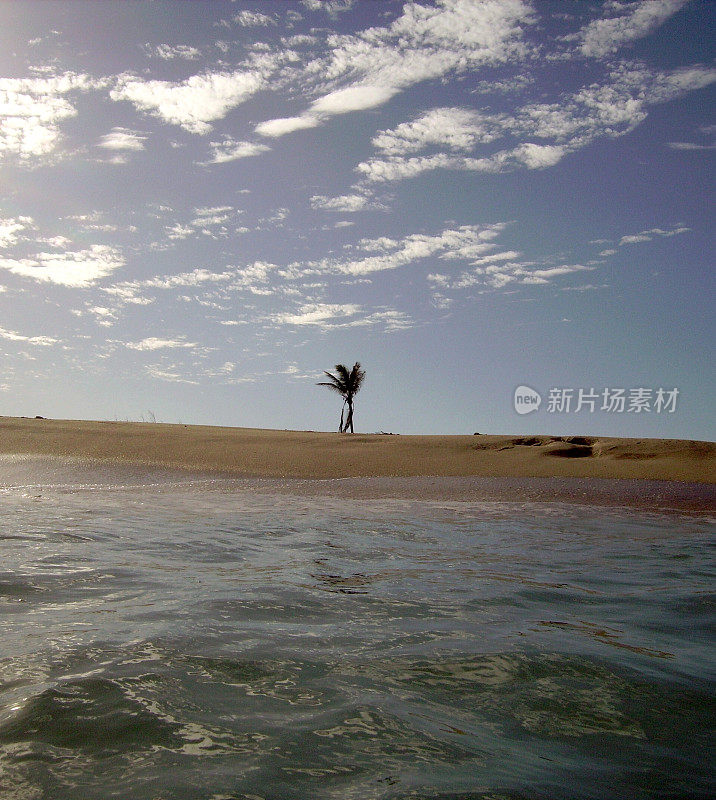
526	400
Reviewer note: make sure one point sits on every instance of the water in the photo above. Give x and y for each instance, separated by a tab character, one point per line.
215	641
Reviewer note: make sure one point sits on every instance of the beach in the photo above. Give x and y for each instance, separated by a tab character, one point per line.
645	473
249	452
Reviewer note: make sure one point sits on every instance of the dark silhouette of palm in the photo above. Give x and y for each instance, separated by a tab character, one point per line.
347	383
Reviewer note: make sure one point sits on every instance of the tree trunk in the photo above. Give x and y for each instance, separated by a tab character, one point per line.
349	418
340	427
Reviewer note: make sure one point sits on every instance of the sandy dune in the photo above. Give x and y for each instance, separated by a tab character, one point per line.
307	454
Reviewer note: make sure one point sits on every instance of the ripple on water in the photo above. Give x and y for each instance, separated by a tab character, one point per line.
191	645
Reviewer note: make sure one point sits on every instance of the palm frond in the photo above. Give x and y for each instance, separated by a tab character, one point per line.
356	378
334	383
342	371
333	386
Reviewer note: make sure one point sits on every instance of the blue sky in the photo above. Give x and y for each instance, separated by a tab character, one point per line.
205	204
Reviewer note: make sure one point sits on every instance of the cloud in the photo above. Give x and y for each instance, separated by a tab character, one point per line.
465	242
211	215
647	236
603	37
391	319
529	155
179	231
331	7
318	314
455	128
74	269
690	146
248	19
32	110
13	336
634	239
253	278
152	343
424	43
344	202
215	222
11	227
500	273
167	375
551	130
123	139
328	316
354	98
193	103
168	52
500	269
284	125
230	150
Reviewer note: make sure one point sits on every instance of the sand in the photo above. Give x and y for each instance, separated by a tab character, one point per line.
248	452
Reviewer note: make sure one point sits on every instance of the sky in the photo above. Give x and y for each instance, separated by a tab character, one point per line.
203	205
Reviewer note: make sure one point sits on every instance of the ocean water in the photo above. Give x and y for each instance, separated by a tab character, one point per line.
216	639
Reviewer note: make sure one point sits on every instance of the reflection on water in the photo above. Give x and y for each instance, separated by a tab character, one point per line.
208	641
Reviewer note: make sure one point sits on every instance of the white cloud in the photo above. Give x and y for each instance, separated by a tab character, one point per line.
253	278
634	239
72	268
399	168
318	314
212	215
331	7
424	43
354	98
215	222
607	110
603	37
123	139
690	146
32	110
347	315
179	231
344	202
529	155
392	320
455	128
500	274
586	287
164	374
168	52
284	125
152	343
465	242
230	149
647	236
11	227
193	103
249	19
13	336
544	275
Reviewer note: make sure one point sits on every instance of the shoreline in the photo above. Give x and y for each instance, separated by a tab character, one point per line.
319	456
38	476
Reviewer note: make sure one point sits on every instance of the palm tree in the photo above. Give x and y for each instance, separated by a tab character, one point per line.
346	383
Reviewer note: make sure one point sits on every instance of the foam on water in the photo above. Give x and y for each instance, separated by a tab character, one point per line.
184	636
